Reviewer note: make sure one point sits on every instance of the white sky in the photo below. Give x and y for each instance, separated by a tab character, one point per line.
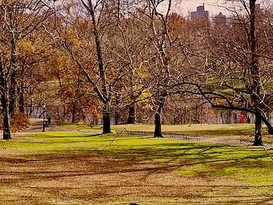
184	7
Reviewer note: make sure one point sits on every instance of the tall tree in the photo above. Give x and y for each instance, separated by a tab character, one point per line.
19	19
165	61
88	39
103	94
233	64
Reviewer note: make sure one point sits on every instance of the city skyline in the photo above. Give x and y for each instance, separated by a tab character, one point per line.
214	7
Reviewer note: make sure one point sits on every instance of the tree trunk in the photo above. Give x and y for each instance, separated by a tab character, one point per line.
268	125
6	118
117	111
117	117
12	69
6	126
256	81
21	99
270	129
258	131
157	132
132	114
106	119
104	94
132	107
30	102
12	93
73	113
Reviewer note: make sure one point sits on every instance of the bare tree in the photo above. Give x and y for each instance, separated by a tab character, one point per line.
100	57
166	61
232	72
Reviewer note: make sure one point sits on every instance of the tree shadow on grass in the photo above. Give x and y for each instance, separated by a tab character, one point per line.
118	176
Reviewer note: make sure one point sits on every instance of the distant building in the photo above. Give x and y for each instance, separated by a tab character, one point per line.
220	20
200	14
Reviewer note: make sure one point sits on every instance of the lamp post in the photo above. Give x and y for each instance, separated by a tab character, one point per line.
44	118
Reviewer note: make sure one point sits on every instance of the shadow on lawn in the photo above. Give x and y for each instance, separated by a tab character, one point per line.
97	162
135	173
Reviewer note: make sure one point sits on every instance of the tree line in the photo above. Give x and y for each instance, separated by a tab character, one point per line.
114	59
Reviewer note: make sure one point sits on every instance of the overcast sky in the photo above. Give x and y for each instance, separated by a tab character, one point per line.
184	7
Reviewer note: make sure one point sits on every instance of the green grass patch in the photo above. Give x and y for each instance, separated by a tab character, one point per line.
237	131
226	131
206	130
221	174
196	159
79	126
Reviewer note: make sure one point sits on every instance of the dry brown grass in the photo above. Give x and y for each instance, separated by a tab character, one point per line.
100	178
51	169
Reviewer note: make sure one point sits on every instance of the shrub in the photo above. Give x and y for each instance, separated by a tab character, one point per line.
19	121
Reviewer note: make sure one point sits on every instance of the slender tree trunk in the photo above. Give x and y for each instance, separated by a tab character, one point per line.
21	99
255	74
258	131
269	127
132	114
132	107
104	94
6	126
157	132
117	117
12	89
6	118
117	114
30	111
267	123
73	113
12	93
5	106
30	103
106	119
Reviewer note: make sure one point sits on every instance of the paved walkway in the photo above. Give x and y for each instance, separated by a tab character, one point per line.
218	140
36	125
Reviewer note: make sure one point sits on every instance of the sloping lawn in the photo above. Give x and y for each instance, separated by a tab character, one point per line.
85	168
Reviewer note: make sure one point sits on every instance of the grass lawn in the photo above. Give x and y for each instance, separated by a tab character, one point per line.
82	167
227	131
